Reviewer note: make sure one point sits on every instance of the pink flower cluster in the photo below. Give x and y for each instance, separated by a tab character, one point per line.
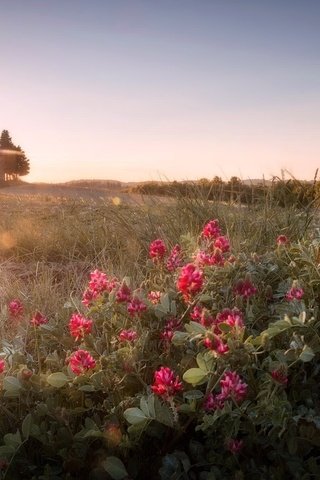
166	384
15	308
81	361
231	388
190	281
234	445
216	344
282	240
295	293
124	293
211	230
280	376
2	366
201	315
232	317
128	336
136	306
171	326
38	319
154	297
98	284
79	326
245	288
174	259
157	250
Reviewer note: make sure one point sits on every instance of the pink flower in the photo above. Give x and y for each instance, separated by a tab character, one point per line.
157	250
15	308
81	361
245	288
233	318
98	281
295	293
217	258
216	345
154	297
190	281
280	376
234	446
201	315
136	306
2	366
282	240
233	387
171	326
222	243
89	296
174	259
166	384
79	326
203	258
213	402
211	229
38	319
128	336
123	294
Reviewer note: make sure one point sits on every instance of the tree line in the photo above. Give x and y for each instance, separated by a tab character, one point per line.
13	160
278	191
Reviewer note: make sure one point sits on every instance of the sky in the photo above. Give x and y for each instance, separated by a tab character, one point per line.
138	90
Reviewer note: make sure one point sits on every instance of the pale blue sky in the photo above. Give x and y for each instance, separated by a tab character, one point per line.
138	90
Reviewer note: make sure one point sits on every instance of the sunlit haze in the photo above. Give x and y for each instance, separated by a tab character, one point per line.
178	89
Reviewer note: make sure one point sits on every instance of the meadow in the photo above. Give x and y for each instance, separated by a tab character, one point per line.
192	357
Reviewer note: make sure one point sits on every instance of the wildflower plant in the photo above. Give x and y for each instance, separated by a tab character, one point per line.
208	368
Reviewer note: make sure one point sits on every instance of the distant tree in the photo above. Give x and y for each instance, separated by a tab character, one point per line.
15	164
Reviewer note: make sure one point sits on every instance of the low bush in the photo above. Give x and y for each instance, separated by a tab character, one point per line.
208	369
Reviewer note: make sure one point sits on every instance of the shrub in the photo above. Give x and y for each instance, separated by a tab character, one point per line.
208	369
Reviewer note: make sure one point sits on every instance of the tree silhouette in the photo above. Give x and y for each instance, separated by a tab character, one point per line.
13	160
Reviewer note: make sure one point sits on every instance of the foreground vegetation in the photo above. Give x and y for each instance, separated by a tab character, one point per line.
192	356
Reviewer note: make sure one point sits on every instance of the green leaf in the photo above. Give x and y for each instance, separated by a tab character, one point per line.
26	426
194	327
193	395
165	303
179	338
13	439
307	354
135	415
57	380
195	376
205	361
115	468
12	385
87	388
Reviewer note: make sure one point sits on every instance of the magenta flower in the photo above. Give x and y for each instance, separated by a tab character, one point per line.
154	297
213	402
128	336
245	288
282	240
174	260
222	243
171	326
38	319
190	281
233	318
166	384
136	307
2	366
79	326
232	387
295	293
280	376
123	294
98	281
234	446
157	250
216	345
15	308
211	229
81	361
